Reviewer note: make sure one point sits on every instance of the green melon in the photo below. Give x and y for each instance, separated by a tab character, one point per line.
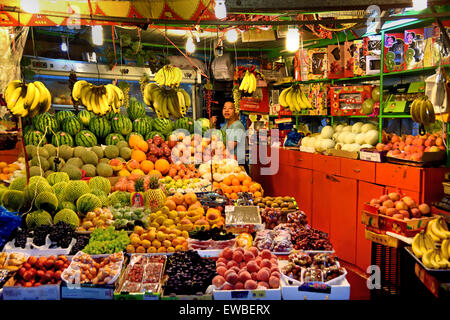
62	138
85	117
85	138
100	126
185	123
121	124
61	115
140	125
165	126
71	125
135	110
114	138
34	137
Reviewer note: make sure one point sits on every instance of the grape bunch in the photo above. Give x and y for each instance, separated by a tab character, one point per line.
40	234
82	241
311	239
21	236
62	233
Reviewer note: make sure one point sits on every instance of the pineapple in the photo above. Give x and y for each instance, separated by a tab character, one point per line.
139	185
154	196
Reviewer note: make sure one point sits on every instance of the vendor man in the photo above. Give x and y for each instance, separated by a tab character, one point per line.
235	131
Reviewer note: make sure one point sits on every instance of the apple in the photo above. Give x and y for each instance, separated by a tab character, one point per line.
415	213
424	209
383	198
388	204
391	212
409	202
400	205
383	209
404	213
394	196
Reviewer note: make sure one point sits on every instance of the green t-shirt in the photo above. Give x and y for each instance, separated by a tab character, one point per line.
236	132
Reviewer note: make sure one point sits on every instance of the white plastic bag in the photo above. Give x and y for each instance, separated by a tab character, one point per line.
435	89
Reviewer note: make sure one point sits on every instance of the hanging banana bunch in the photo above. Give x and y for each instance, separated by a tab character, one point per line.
27	99
98	99
174	102
422	111
294	98
248	84
169	76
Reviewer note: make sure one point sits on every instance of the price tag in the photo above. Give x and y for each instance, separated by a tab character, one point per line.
318	287
239	294
229	208
259	293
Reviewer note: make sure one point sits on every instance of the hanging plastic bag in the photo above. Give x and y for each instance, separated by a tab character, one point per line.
9	221
435	89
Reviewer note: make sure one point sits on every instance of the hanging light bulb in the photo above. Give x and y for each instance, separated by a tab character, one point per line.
220	9
292	39
63	45
419	5
97	35
190	46
231	35
30	6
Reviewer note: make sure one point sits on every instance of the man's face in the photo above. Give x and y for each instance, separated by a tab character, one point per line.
228	111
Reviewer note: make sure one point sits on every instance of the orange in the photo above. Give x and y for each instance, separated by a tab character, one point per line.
162	249
155	172
242	176
227	181
254	187
246	183
236	189
151	250
170	249
249	179
138	155
156	243
257	194
227	189
244	189
134	139
162	165
216	185
141	145
147	166
3	164
140	249
235	182
232	176
5	170
234	196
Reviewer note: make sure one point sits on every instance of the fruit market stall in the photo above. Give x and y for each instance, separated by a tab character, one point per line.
118	185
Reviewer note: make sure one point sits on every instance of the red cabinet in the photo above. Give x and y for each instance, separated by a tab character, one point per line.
356	169
342	207
321	202
366	191
302	189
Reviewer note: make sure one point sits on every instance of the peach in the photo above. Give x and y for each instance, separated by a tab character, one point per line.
252	266
250	285
394	196
221	271
408	148
238	256
235	269
395	138
248	256
274	261
239	286
380	146
391	211
232	277
409	202
222	260
424	209
401	146
417	156
228	287
254	250
218	281
227	253
387	147
415	213
239	249
274	269
242	265
231	264
398	216
408	140
400	205
266	254
439	142
388	204
404	213
263	284
221	264
274	282
254	276
401	156
276	274
263	275
266	263
244	276
258	260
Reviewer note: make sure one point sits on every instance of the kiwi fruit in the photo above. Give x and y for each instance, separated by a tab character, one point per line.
275	205
269	203
287	199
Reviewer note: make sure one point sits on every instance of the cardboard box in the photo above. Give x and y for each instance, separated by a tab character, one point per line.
318	63
251	219
372	154
383	239
408	228
343	154
335	62
414	48
44	292
268	294
394	52
428	159
339	291
188	297
372	45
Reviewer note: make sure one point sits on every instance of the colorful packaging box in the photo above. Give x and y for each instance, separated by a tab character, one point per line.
359	59
394	52
349	59
414	48
317	66
429	40
335	62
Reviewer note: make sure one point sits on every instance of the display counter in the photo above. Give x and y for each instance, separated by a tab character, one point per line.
332	190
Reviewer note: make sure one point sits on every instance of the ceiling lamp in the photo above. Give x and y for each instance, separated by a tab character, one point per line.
190	46
292	39
231	35
419	5
220	9
97	35
63	45
30	6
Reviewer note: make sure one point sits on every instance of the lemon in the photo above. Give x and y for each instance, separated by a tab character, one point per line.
161	236
168	222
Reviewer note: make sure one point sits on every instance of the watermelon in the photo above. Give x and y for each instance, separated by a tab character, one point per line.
62	138
202	123
100	126
121	124
165	126
140	125
214	132
110	115
185	123
71	125
135	110
27	129
61	115
127	138
113	138
151	134
85	117
46	120
85	138
150	122
33	137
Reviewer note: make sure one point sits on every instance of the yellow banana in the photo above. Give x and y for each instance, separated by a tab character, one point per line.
438	230
187	99
76	90
11	102
444	249
416	248
430	232
412	109
36	99
18	107
428	241
87	97
13	85
438	260
289	100
426	259
430	111
29	97
252	86
282	97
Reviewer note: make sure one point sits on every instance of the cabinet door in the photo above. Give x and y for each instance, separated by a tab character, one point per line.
366	191
282	182
321	190
343	217
302	189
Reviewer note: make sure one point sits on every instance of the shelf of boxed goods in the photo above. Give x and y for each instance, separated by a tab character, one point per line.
331	191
